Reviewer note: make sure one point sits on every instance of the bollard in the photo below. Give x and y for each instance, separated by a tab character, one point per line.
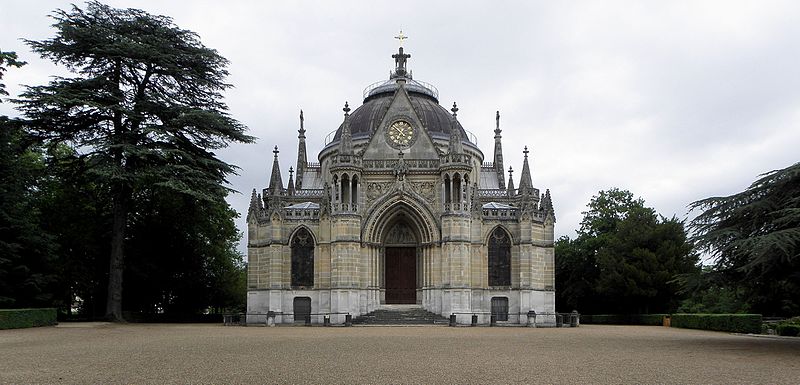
270	318
532	318
348	320
493	320
326	321
452	320
573	319
308	320
559	320
474	320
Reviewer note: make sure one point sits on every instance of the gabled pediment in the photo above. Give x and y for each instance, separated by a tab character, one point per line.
383	146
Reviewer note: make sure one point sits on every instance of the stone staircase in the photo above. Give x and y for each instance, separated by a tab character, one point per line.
400	315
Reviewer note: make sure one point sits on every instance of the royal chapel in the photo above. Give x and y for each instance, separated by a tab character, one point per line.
400	207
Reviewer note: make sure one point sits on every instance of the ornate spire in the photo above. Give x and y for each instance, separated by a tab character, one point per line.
255	205
302	159
291	181
511	181
525	183
546	204
346	141
302	130
498	152
455	146
275	181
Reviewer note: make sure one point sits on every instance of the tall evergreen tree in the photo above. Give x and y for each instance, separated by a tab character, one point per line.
754	238
144	109
7	59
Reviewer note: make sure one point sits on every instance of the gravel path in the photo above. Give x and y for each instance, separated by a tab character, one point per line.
198	354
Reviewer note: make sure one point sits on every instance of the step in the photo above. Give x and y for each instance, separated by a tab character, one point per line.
400	315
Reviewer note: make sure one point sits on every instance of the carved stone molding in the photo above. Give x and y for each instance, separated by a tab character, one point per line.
426	190
377	189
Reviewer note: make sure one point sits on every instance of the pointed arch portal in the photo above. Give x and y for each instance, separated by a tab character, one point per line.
400	256
402	230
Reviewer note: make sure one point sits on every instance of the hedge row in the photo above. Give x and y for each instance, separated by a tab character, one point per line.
27	318
623	319
788	330
737	323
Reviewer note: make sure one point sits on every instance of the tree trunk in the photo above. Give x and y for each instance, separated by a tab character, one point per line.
117	260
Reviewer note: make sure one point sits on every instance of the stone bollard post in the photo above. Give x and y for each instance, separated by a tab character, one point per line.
493	320
308	320
326	320
573	319
474	320
559	320
271	318
452	320
532	318
348	320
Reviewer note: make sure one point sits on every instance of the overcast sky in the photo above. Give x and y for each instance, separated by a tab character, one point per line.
674	101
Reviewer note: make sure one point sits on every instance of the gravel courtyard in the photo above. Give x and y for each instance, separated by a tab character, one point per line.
193	354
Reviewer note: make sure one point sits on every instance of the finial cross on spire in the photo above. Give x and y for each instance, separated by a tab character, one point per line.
346	108
275	151
510	170
401	37
525	151
454	109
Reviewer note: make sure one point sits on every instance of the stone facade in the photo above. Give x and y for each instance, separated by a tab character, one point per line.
401	208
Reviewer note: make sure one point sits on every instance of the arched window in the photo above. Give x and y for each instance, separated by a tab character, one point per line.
345	191
499	258
354	193
447	195
302	259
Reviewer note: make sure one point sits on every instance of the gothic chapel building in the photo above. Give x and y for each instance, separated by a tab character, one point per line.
402	208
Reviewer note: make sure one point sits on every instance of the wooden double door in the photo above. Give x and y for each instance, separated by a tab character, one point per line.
401	275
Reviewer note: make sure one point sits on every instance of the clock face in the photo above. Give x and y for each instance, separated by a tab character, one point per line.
400	133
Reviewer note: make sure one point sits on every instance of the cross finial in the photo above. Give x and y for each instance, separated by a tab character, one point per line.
275	151
454	109
291	171
526	151
401	37
346	108
510	170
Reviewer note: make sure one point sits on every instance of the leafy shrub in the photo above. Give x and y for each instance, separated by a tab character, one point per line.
737	323
788	330
622	319
27	318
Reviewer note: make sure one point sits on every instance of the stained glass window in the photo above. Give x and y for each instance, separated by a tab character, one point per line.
499	258
302	259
